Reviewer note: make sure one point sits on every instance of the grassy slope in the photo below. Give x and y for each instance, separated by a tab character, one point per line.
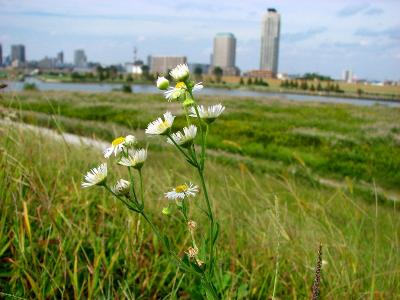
336	141
73	243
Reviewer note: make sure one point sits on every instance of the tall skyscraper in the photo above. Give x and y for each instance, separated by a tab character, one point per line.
80	59
270	32
60	58
348	76
18	54
224	53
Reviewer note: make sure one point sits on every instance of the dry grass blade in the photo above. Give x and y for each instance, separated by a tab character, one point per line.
317	278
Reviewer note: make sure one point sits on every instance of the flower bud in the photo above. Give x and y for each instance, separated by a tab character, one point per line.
130	140
166	211
180	72
162	83
122	188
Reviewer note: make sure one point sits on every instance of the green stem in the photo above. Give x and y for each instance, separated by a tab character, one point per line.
157	233
141	187
203	184
210	287
203	149
153	227
203	142
180	149
192	152
187	116
133	193
120	199
211	217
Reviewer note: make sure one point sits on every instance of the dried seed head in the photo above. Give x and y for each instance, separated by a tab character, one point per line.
192	252
191	225
199	262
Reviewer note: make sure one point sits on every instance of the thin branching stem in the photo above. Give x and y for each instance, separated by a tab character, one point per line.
180	149
141	187
121	199
203	141
132	187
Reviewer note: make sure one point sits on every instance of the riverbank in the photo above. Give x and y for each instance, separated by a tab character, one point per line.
348	91
210	91
279	90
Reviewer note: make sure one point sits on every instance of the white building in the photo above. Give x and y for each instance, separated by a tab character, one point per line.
163	64
134	68
270	34
80	59
348	76
224	54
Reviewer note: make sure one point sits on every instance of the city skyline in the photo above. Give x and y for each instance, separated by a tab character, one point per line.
328	38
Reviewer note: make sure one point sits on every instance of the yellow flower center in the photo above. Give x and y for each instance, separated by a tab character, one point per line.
117	141
165	124
180	85
181	188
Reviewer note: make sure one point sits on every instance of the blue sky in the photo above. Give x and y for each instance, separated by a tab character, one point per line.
316	36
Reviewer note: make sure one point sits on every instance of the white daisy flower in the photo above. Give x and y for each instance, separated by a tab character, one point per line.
180	72
208	114
96	176
175	92
182	191
121	188
159	126
197	87
116	147
162	83
135	159
185	139
119	144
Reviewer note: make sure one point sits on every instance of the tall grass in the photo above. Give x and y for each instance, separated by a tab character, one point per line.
361	143
59	242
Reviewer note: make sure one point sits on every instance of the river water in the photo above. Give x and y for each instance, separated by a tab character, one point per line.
152	89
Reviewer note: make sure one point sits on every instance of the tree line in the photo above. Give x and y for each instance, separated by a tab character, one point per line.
304	85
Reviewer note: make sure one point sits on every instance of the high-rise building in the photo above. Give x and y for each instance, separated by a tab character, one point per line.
46	63
80	59
348	76
224	53
162	64
224	50
270	32
18	54
60	58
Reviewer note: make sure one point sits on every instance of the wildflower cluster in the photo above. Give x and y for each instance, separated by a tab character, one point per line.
127	155
199	258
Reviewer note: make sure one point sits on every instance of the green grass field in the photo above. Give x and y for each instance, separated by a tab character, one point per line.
283	177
